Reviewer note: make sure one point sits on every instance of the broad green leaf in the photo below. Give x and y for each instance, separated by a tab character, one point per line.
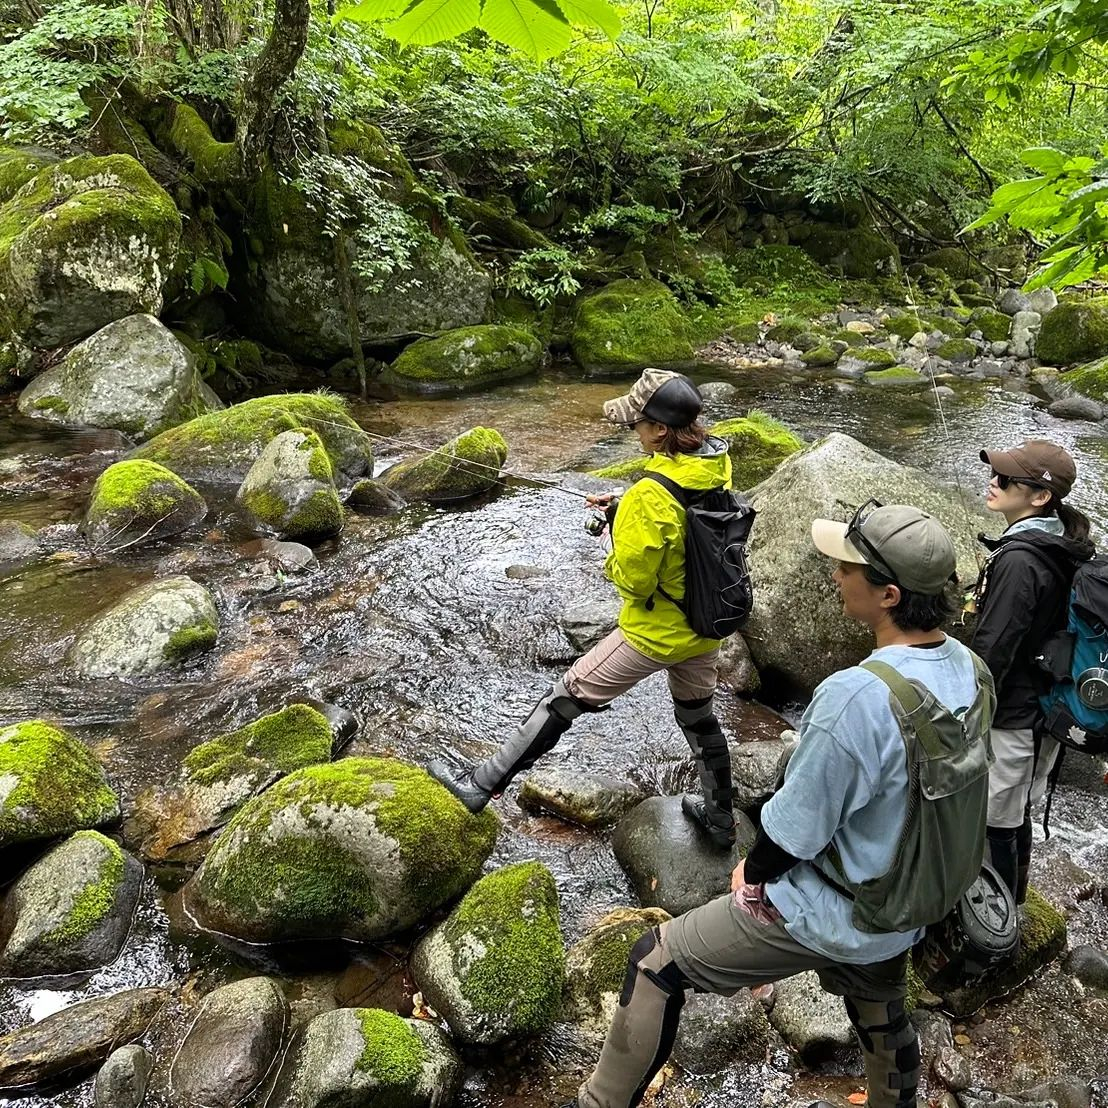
1070	269
372	11
1095	193
526	26
984	220
592	13
1016	192
1045	159
428	21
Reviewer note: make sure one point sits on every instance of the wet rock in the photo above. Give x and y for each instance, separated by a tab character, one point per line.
588	621
151	628
1043	300
953	1069
1076	331
49	785
1077	407
719	1031
222	446
494	970
898	377
590	800
122	1080
1025	330
359	1057
718	392
1012	301
133	375
466	467
358	849
1061	1092
465	358
77	1038
1089	964
219	776
230	1046
810	1020
18	541
71	911
373	499
139	501
668	860
796	633
291	488
288	557
525	573
944	393
754	770
737	671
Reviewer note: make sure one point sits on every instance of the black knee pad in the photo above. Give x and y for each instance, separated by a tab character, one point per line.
669	978
896	1034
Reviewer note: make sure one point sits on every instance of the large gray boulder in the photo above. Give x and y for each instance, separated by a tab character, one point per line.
121	1082
717	1032
754	770
587	799
132	375
154	626
797	632
810	1020
71	911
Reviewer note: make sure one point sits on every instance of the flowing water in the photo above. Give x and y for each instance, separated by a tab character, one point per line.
439	629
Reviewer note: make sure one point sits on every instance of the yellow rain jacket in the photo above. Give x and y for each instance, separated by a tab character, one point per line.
648	550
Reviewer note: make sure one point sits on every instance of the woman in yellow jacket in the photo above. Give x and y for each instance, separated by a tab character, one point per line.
647	568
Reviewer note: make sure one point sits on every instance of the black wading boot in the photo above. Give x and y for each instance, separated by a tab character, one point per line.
549	720
1023	859
1003	854
713	812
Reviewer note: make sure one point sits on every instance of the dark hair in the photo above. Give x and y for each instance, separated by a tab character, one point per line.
683	440
916	611
1076	523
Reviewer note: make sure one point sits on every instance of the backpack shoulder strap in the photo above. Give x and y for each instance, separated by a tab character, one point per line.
1041	555
909	699
678	492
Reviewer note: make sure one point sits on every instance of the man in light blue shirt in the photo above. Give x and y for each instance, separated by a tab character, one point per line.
845	791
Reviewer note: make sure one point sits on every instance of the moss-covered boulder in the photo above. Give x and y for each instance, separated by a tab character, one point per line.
896	377
71	911
629	325
494	969
1089	380
49	785
957	350
465	358
217	777
18	166
132	375
463	468
993	325
874	357
358	849
84	242
368	1058
758	444
140	501
907	324
153	627
630	470
954	262
1076	331
291	490
820	356
222	446
853	251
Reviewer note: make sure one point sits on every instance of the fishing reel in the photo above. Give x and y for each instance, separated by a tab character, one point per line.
596	525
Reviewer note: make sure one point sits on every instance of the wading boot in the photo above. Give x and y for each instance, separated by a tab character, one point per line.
712	812
549	720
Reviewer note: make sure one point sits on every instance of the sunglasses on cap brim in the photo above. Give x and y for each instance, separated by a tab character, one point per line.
855	536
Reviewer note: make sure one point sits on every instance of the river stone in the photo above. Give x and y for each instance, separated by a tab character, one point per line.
494	969
587	799
121	1082
220	775
288	557
291	488
222	446
76	1038
152	627
368	1058
1089	964
230	1046
1025	329
669	861
1061	1092
797	632
18	541
358	849
463	468
71	911
736	670
810	1020
754	770
372	498
139	501
586	622
133	375
1077	407
1043	300
1012	301
86	241
50	784
717	1032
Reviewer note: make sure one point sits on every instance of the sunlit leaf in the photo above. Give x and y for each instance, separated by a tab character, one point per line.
428	21
1045	159
592	13
526	26
372	11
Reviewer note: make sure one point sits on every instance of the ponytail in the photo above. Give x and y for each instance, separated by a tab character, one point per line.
1076	524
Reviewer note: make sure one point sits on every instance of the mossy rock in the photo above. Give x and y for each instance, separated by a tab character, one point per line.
954	262
1089	380
494	969
631	470
908	324
358	849
1076	331
17	167
629	325
466	467
855	251
221	447
775	263
84	242
958	350
785	330
993	325
851	338
465	358
876	357
758	444
897	376
71	911
140	501
49	785
819	357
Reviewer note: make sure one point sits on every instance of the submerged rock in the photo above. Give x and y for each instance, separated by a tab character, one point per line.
139	501
464	468
587	799
71	911
494	969
810	1020
371	498
18	541
49	785
586	622
368	1058
1089	964
1076	331
1077	407
465	358
151	628
121	1082
358	849
132	375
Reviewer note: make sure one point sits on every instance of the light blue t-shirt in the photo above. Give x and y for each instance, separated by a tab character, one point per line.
847	783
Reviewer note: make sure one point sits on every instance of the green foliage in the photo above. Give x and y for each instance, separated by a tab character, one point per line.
543	275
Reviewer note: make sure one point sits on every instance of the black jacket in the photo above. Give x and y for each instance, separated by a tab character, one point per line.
1022	599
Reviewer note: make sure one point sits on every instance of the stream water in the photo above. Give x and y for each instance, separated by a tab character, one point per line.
427	627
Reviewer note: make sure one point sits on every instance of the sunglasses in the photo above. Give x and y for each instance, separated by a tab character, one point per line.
1003	481
854	535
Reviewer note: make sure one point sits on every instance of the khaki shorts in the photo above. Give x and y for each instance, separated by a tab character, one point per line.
613	666
1015	776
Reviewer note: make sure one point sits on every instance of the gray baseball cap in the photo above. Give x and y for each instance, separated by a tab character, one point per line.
895	539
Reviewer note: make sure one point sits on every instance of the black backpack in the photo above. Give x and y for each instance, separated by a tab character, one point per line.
718	593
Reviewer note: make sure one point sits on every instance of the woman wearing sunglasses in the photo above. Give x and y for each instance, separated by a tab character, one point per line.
1021	599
